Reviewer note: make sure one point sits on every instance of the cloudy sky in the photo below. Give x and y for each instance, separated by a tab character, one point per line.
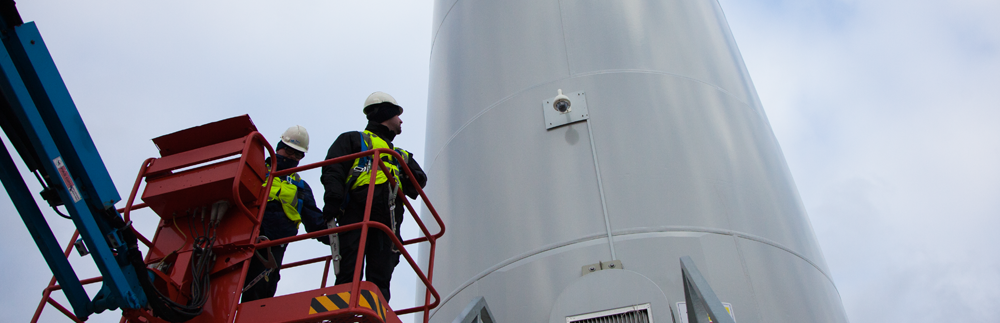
888	113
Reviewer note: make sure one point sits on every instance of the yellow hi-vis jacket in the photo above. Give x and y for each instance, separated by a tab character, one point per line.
361	169
285	190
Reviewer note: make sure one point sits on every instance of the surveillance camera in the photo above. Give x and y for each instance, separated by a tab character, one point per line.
562	104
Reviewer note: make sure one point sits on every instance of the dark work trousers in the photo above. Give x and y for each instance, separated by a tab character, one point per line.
380	260
264	288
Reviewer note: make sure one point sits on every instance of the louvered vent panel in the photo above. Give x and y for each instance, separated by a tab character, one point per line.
631	314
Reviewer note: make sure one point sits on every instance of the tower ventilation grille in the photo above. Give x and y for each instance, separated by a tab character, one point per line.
629	314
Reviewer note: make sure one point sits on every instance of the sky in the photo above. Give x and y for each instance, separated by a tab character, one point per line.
887	111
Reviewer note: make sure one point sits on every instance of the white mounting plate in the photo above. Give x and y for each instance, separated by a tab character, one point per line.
577	111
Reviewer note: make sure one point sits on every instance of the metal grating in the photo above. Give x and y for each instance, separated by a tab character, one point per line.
630	314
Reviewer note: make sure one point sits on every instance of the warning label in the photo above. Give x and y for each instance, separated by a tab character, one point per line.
67	179
682	311
339	301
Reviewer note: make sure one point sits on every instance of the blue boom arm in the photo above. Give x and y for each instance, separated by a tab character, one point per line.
39	118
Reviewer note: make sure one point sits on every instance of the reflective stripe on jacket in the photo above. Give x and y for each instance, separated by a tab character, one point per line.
285	190
370	140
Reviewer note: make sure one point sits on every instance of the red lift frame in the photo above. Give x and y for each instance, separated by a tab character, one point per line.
353	311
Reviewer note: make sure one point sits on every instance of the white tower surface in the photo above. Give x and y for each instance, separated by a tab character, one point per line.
664	152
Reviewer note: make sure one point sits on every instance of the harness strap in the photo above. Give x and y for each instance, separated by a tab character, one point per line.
363	162
270	263
366	162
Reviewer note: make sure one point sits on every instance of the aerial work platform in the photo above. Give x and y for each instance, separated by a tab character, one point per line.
209	189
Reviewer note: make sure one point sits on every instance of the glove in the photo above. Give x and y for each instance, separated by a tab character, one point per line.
332	213
324	239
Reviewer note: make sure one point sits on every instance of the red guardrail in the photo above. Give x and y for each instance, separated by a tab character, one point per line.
364	226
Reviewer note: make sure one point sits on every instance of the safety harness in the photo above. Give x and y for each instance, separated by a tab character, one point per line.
365	164
285	191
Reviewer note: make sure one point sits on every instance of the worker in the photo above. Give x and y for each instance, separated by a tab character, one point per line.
289	203
346	186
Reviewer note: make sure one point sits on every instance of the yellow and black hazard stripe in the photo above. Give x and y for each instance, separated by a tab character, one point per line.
327	303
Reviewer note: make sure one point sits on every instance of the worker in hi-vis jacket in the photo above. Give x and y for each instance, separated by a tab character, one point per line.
289	203
346	185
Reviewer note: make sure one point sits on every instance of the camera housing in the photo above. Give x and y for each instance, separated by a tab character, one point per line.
564	109
562	103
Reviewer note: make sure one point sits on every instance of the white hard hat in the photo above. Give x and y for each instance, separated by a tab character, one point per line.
296	137
380	97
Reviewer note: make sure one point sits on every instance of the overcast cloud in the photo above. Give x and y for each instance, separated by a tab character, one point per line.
887	111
